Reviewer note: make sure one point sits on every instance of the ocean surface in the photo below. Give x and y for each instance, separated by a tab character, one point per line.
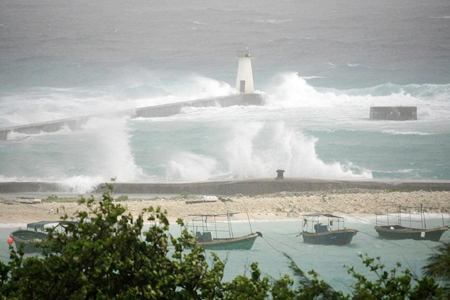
282	237
322	64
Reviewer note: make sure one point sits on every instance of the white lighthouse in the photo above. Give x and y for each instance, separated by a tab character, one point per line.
244	80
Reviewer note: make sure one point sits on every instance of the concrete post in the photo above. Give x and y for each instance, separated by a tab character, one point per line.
280	174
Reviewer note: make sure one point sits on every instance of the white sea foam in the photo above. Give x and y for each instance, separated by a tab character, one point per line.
192	88
114	158
312	77
395	132
329	65
185	166
272	21
82	184
15	136
204	87
246	157
4	178
48	104
425	94
254	141
292	90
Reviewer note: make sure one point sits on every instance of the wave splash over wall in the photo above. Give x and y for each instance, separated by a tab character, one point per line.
291	90
249	142
257	150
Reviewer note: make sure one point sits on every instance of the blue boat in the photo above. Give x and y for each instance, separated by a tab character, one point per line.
326	229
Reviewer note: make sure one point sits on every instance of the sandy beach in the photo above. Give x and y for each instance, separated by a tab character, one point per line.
262	207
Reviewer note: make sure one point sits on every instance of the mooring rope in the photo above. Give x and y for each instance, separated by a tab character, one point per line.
271	245
264	237
381	239
296	233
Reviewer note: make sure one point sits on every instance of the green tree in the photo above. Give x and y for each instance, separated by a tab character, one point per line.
107	254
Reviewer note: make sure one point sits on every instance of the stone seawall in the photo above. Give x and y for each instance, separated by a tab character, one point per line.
245	187
143	112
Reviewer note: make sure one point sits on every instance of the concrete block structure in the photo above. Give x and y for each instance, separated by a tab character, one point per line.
396	113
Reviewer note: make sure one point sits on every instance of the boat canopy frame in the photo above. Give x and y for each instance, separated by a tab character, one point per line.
312	223
403	214
207	223
41	225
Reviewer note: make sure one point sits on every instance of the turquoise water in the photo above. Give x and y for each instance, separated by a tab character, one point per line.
410	156
328	261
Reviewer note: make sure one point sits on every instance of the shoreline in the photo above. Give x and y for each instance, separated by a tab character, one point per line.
278	206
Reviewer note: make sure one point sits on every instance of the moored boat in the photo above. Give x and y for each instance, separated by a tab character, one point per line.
391	227
34	235
397	232
333	232
212	234
30	240
234	243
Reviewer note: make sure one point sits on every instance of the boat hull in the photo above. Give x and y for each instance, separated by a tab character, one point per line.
30	239
239	243
335	237
404	233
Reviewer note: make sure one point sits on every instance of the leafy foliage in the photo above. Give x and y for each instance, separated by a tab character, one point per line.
107	254
390	285
439	263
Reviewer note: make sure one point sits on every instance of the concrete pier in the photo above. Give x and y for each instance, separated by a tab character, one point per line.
245	187
175	108
396	113
143	112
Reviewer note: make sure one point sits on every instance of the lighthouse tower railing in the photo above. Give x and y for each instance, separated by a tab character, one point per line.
244	53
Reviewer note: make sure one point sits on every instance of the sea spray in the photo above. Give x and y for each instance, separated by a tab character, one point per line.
308	131
186	166
255	150
291	90
273	146
112	155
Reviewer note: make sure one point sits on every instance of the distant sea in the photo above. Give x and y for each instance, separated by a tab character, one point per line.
322	64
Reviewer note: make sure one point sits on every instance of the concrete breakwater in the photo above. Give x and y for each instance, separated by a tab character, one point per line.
395	113
245	187
143	112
